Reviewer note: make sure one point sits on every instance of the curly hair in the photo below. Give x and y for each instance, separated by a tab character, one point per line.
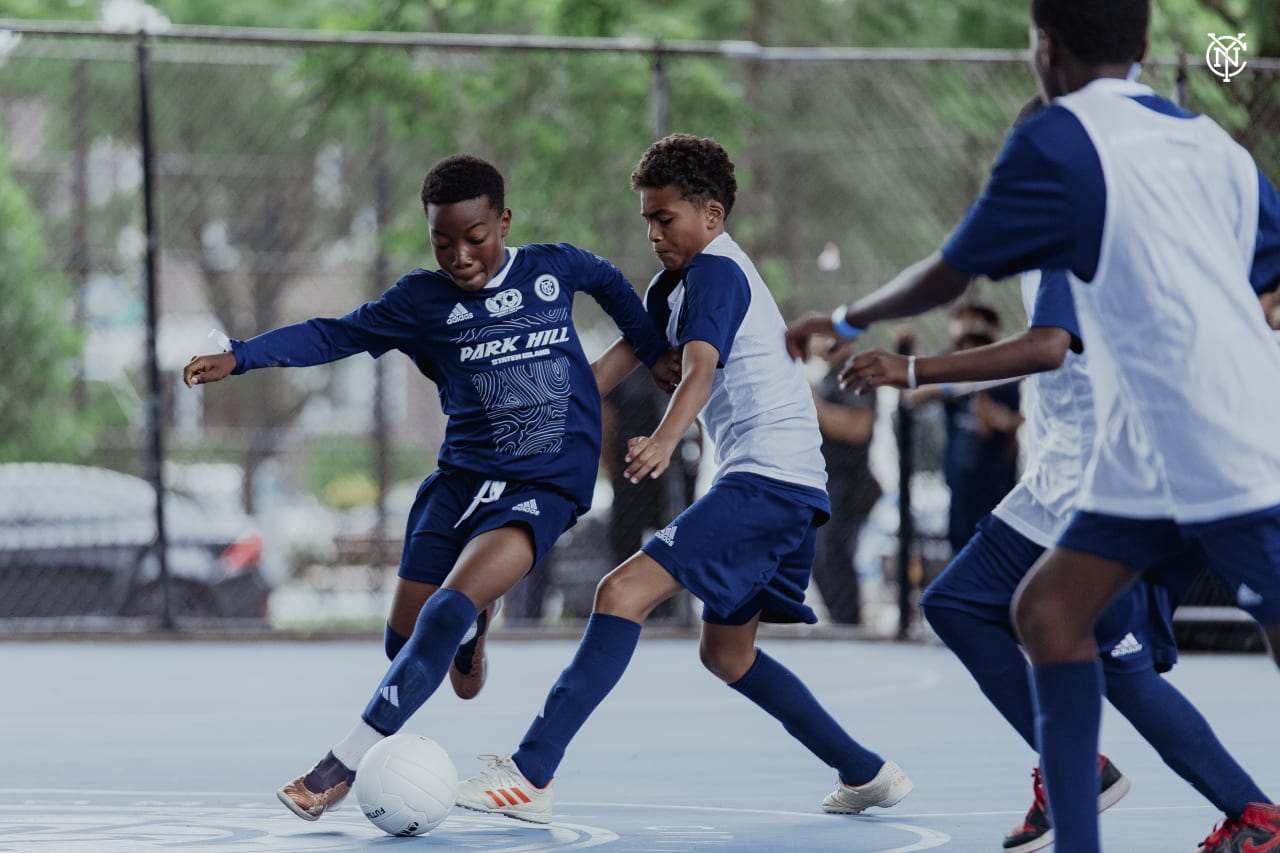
699	166
1097	32
462	177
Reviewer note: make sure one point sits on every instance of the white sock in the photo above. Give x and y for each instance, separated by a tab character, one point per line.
358	741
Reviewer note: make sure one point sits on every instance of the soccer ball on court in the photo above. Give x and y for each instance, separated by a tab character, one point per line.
406	784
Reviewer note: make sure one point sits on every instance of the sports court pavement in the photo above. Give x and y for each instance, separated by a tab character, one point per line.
178	746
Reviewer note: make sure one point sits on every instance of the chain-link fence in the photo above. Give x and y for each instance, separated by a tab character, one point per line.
283	181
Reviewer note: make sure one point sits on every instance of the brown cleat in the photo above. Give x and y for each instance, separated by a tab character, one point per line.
320	790
468	671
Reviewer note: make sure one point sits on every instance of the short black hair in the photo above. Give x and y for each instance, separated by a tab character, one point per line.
461	177
1097	32
988	314
699	166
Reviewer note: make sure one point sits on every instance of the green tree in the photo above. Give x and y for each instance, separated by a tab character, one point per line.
39	342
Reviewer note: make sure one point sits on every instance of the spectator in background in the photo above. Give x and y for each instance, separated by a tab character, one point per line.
846	420
980	464
632	408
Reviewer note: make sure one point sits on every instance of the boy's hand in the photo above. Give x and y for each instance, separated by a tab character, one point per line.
203	369
646	455
666	370
800	332
872	369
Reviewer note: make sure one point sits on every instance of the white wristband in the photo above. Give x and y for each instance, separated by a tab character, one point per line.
843	328
911	372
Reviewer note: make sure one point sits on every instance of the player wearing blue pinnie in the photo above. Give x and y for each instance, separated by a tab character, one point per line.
746	547
968	604
493	329
1168	231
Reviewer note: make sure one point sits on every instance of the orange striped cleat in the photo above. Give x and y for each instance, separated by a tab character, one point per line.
502	789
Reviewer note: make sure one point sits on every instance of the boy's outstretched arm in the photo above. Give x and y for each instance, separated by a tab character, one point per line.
203	369
1036	350
924	285
613	365
650	455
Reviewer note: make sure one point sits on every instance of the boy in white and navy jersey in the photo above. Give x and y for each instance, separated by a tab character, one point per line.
968	604
1167	230
493	329
746	547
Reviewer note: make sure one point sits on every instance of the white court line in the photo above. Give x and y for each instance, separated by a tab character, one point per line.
929	838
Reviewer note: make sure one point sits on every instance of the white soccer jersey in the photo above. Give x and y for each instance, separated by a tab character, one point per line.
1057	434
1182	363
761	415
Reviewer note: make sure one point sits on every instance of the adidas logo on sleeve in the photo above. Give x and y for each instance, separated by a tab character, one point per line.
667	534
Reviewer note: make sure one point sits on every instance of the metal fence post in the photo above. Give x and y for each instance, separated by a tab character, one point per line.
659	93
906	524
155	398
381	429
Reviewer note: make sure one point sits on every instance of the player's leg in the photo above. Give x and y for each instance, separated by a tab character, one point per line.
968	608
1054	612
520	786
487	567
406	604
729	652
1244	553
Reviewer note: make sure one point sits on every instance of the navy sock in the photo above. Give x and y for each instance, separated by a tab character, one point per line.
603	654
785	698
1184	739
421	665
1068	717
992	656
392	642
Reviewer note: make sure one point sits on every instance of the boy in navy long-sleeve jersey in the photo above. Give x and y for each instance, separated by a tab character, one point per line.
493	329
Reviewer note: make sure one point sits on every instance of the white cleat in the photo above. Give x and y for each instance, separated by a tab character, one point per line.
502	789
887	788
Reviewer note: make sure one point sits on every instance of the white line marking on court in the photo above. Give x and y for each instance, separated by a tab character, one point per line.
929	838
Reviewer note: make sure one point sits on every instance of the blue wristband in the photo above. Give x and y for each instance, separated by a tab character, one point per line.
841	324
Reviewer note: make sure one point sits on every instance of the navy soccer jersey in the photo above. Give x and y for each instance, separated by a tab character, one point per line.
518	390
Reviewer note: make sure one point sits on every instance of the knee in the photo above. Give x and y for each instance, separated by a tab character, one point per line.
946	622
1050	631
726	663
620	593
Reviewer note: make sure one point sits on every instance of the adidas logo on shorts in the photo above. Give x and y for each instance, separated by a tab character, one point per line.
667	534
530	506
458	314
1127	646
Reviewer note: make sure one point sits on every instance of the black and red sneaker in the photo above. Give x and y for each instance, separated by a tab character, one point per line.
1256	830
1035	833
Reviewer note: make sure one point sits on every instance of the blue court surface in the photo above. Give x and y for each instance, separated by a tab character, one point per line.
179	746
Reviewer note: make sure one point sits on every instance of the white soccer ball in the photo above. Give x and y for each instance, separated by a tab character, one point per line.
406	784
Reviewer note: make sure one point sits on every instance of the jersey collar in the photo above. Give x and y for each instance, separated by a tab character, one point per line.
498	279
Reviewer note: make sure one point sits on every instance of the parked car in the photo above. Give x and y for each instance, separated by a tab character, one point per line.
77	541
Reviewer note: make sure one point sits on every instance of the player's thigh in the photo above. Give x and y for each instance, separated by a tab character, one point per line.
1059	601
982	578
1244	553
728	651
491	563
